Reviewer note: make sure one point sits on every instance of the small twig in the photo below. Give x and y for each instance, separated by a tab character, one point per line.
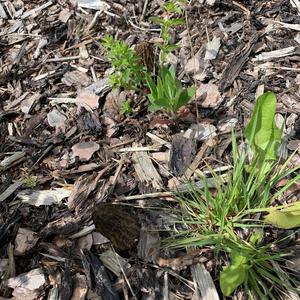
242	8
135	149
144	10
143	29
61	59
117	173
124	274
146	196
192	168
166	287
122	143
158	140
193	57
182	188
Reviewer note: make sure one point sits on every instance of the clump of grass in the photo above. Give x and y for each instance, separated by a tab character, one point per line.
216	217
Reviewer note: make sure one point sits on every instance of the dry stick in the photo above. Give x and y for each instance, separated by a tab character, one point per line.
146	196
116	176
86	42
124	274
183	188
143	29
61	59
190	171
242	8
122	143
166	287
193	55
47	150
12	160
144	10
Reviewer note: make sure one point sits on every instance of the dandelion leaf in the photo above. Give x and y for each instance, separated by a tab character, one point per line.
234	275
286	218
262	132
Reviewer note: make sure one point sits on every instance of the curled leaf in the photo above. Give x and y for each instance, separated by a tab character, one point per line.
285	218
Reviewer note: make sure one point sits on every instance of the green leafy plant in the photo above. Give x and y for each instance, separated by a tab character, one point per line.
218	214
28	180
167	93
129	72
126	108
167	23
173	6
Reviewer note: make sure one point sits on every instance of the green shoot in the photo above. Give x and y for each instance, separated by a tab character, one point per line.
28	180
167	23
126	108
167	93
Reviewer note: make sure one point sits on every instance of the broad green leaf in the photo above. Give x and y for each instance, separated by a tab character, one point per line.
267	136
153	106
191	91
172	71
168	92
234	275
182	99
162	103
151	85
172	7
286	218
293	209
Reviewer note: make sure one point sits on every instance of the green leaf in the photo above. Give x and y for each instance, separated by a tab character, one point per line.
262	132
235	274
156	20
151	85
182	99
172	71
172	7
160	88
168	93
168	48
191	91
285	218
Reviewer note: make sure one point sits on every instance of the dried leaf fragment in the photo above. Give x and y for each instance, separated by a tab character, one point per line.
85	150
25	240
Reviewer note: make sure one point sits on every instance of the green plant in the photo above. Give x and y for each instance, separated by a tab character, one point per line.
218	217
167	23
129	72
126	108
167	93
28	180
